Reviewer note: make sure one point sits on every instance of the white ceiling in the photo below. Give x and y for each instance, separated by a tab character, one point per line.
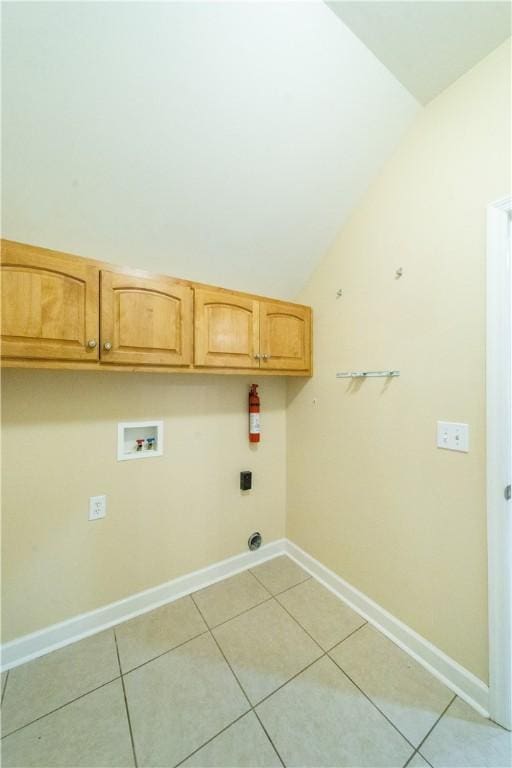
220	141
427	45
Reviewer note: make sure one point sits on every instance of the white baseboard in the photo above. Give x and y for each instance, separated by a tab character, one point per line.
36	644
457	678
462	682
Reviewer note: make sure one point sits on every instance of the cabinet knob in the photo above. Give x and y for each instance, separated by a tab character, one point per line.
257	356
91	343
107	346
265	357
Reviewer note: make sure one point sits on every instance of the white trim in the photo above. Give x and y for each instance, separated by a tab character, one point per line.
460	680
499	460
56	636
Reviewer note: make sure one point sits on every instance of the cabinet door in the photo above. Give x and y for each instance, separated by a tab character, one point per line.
226	329
50	305
285	336
145	321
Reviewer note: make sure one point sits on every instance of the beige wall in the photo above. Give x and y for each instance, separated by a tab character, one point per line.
165	517
369	494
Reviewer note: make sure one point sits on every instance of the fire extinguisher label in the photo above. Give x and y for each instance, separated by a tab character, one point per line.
254	423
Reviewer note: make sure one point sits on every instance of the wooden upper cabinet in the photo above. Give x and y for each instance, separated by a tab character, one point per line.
63	311
285	336
145	321
226	329
49	305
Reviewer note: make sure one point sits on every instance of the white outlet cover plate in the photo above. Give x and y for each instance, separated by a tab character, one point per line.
453	436
97	507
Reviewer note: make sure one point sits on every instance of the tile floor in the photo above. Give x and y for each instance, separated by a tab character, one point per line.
266	668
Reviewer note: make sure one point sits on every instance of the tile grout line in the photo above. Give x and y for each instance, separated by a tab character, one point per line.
328	652
410	758
299	624
221	623
213	737
275	594
5	686
417	752
125	701
153	658
252	709
269	695
347	636
445	710
324	653
268	737
373	703
414	755
52	711
423	758
338	642
169	650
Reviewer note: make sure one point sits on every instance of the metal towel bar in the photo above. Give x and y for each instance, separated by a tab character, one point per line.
366	374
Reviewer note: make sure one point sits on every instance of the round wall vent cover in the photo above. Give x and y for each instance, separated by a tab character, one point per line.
254	540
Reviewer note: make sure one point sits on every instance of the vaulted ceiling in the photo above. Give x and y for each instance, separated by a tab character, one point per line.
427	44
224	142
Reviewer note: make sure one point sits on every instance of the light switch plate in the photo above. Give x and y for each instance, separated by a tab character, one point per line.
97	507
453	436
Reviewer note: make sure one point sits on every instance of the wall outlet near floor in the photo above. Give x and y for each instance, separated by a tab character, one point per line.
97	507
453	436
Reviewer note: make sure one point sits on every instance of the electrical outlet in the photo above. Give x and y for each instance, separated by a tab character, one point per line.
97	507
453	436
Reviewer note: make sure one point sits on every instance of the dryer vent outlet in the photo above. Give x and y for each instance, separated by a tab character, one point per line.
254	541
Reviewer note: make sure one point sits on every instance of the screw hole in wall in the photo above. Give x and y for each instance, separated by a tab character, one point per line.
254	541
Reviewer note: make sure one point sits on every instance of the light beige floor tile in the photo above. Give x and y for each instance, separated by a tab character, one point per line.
265	647
46	683
321	613
279	574
244	745
92	731
464	739
153	633
418	762
409	695
180	700
321	719
230	597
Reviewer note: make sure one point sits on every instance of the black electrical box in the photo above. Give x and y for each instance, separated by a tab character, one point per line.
245	481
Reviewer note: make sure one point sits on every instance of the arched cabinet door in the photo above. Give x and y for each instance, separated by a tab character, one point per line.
145	321
226	329
49	305
285	336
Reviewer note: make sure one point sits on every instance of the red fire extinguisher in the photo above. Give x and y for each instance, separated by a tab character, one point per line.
254	414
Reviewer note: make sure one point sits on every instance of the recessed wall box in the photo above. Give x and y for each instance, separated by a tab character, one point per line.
140	440
245	481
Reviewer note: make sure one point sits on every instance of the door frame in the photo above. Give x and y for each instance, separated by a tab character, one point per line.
499	459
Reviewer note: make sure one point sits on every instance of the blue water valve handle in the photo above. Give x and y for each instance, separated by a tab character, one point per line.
150	441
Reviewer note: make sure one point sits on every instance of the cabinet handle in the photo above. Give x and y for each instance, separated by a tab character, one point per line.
257	356
91	343
107	346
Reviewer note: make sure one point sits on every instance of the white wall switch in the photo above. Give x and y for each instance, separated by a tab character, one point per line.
453	436
97	507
